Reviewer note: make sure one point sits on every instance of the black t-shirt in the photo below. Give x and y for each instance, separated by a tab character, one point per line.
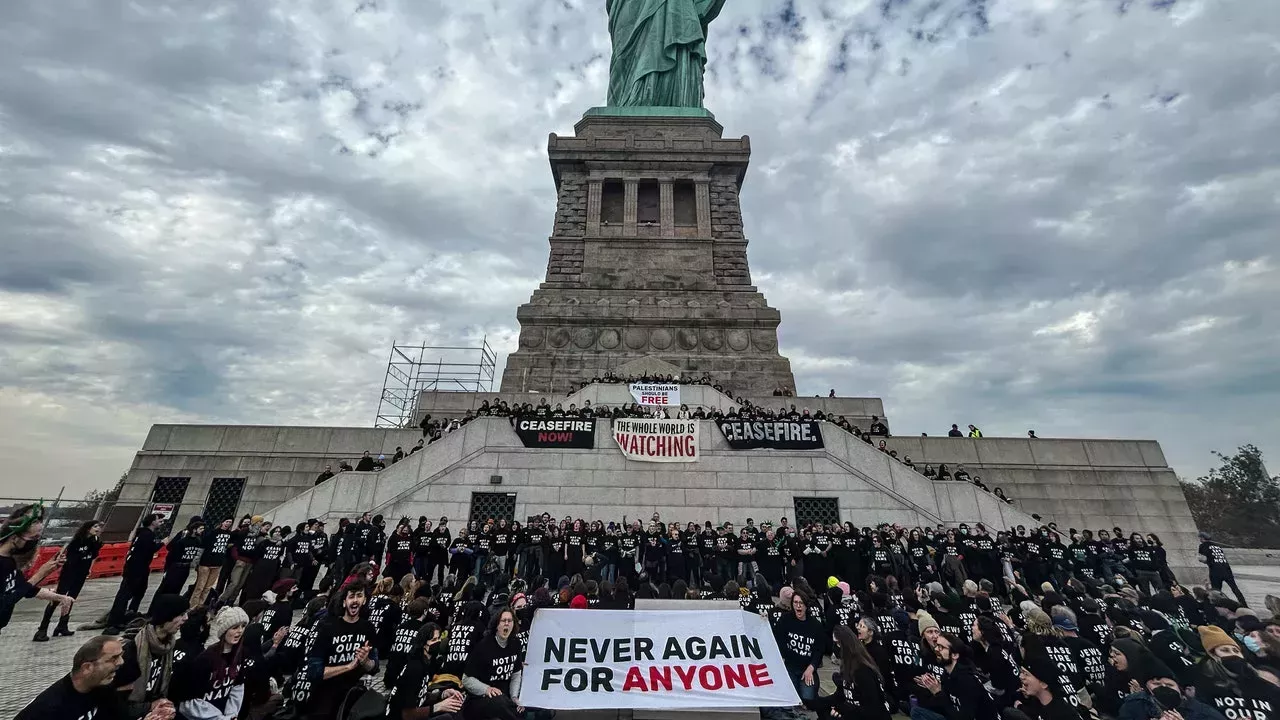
130	673
142	549
335	644
493	665
799	641
1057	709
1214	555
400	550
60	701
276	616
80	556
463	636
13	587
216	545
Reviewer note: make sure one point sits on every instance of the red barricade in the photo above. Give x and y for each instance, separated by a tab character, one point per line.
110	562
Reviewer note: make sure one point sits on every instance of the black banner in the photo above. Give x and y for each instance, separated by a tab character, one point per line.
556	433
772	434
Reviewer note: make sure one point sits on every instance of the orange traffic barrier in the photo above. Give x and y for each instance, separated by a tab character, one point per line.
109	563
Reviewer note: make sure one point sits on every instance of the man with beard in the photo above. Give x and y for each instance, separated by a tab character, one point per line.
144	676
959	693
85	693
341	654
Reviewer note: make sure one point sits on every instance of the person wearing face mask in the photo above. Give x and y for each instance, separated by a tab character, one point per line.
1227	683
1161	697
418	694
19	542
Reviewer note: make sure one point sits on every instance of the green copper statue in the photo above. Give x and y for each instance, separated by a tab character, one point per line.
659	51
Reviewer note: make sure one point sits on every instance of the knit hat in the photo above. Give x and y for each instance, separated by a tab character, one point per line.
228	617
253	607
167	608
1154	620
832	582
925	621
844	588
282	587
1043	667
256	519
579	602
1212	636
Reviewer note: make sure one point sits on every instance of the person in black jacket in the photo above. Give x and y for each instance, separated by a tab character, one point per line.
1040	694
861	691
958	694
137	570
80	554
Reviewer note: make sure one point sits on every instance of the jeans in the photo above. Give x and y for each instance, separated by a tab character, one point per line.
609	572
919	713
807	693
239	573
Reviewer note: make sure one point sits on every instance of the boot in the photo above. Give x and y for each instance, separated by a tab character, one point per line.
42	633
40	636
62	630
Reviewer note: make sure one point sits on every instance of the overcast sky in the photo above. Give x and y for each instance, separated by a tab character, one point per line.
1051	214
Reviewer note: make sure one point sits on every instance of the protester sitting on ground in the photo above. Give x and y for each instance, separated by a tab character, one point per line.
148	661
85	692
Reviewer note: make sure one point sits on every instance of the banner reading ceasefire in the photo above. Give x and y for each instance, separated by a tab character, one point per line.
653	659
657	440
772	434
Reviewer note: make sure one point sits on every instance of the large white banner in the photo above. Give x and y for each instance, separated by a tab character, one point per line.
657	440
653	659
662	394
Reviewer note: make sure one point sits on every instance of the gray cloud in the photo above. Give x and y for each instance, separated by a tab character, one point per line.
1050	215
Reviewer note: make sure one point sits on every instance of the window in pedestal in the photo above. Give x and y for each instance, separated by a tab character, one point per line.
685	198
648	202
612	197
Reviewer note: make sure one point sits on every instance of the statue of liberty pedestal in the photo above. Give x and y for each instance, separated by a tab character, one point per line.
659	51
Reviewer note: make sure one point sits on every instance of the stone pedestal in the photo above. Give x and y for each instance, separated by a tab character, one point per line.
648	258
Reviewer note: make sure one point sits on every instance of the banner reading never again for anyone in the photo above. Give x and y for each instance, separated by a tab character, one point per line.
660	394
657	440
774	434
653	659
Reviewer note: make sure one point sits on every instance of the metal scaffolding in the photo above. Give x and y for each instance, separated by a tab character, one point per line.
414	369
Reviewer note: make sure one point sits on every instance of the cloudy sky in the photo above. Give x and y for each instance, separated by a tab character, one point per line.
1059	214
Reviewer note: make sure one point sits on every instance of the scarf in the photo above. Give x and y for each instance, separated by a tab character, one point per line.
148	642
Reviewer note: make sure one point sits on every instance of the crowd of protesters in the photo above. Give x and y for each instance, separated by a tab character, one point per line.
420	622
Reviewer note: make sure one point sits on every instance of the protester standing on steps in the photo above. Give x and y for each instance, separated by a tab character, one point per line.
19	542
137	570
1211	553
80	554
217	545
182	551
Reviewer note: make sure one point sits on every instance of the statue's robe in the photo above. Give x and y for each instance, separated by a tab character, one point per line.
659	51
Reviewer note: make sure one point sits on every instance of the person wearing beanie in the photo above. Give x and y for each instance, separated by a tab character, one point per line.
1041	700
1165	644
579	602
925	621
1161	693
212	686
148	658
1213	637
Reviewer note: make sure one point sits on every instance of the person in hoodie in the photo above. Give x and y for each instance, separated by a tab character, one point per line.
421	691
861	692
402	643
1040	699
1165	644
211	687
1160	695
1126	657
1227	683
957	695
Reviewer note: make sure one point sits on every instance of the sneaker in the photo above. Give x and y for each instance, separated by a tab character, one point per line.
41	636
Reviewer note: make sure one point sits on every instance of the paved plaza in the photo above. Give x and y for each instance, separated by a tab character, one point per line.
31	667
